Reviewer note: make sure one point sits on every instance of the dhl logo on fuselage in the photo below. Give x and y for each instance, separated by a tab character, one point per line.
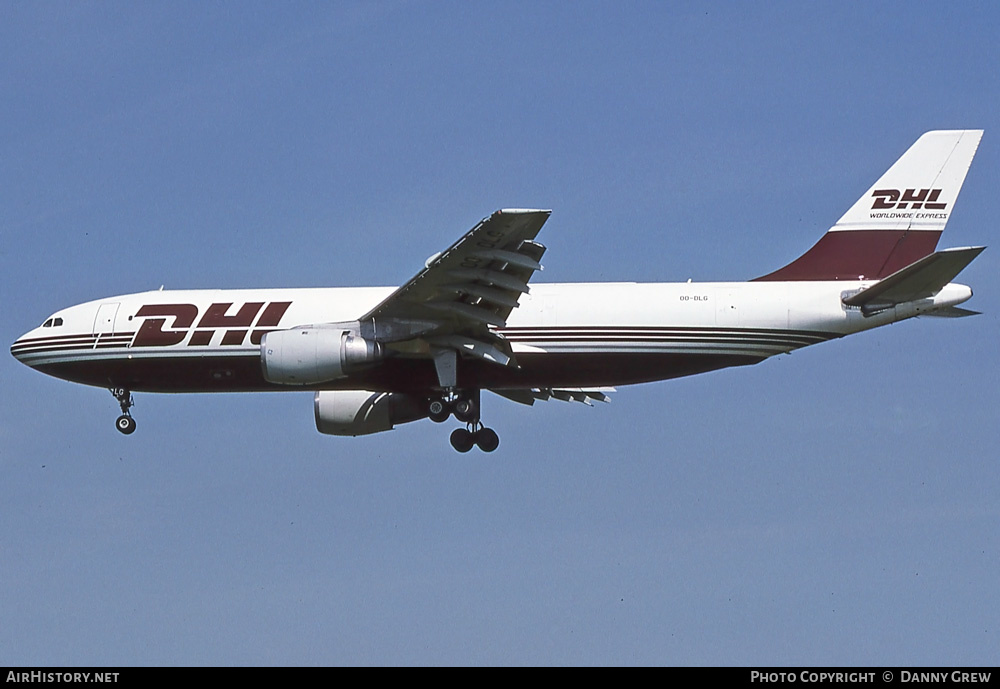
236	326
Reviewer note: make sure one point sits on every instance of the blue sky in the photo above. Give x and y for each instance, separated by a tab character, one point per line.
835	506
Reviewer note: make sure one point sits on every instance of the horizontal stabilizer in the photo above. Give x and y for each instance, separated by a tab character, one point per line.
919	280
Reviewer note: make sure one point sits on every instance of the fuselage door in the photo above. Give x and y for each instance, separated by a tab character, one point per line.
105	321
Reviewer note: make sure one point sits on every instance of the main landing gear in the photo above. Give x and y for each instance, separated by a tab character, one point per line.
465	407
125	423
462	439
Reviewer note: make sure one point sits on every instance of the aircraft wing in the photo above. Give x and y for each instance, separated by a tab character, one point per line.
465	290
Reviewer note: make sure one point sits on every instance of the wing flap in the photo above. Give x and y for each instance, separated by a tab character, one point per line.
490	294
476	314
497	352
528	396
953	312
509	257
493	278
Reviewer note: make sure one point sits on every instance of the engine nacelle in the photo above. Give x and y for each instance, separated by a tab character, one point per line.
361	412
305	356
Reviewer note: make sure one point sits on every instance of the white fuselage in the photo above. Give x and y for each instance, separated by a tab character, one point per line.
569	334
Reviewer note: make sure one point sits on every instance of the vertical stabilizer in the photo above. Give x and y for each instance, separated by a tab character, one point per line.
899	220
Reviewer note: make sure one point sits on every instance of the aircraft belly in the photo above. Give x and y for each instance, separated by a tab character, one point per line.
164	373
243	374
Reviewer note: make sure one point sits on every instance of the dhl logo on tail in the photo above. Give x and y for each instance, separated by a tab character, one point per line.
924	198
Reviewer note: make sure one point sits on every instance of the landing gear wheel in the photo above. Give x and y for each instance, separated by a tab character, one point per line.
125	424
465	410
461	440
487	439
438	411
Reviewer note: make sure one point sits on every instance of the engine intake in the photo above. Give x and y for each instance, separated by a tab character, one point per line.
306	356
361	412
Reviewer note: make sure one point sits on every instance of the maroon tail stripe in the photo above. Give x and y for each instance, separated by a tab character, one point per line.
849	254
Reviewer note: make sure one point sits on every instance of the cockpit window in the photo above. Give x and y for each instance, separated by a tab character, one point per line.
52	323
47	324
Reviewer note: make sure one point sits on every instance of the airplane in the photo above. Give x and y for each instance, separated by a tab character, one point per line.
468	321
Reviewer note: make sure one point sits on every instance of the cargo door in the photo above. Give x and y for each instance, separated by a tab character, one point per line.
105	321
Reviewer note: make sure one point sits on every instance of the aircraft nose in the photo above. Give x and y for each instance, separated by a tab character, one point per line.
21	347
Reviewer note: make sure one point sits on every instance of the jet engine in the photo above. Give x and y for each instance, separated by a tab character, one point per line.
305	356
361	412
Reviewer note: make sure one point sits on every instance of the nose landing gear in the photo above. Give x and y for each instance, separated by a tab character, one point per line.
125	423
